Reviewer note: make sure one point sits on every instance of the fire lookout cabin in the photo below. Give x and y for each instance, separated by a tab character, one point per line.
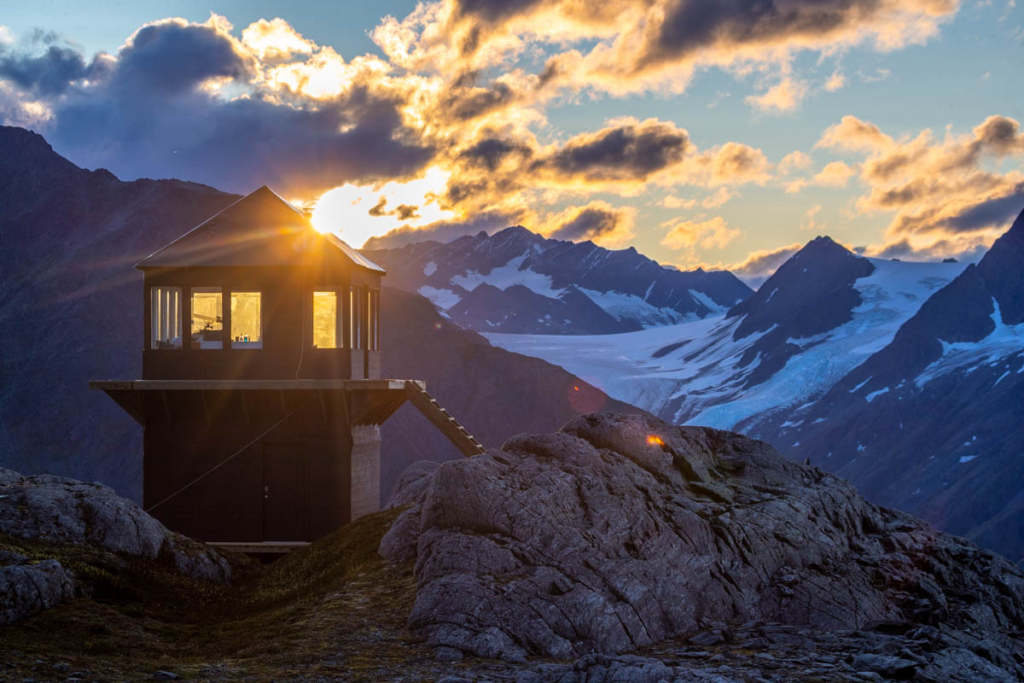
261	399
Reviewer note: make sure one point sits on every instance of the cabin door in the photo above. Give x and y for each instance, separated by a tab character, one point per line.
285	492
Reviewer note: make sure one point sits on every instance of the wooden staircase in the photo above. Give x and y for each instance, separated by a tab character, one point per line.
441	419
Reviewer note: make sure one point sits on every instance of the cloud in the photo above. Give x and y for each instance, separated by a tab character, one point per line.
598	221
837	81
784	96
719	197
156	109
628	46
628	151
275	40
794	161
808	221
835	174
941	191
672	202
760	265
686	236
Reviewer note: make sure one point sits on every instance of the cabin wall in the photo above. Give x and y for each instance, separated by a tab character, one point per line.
215	473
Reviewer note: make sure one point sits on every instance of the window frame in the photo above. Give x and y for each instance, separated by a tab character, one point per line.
355	317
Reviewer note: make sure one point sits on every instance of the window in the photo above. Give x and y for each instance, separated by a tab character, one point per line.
355	321
165	303
207	318
246	320
325	320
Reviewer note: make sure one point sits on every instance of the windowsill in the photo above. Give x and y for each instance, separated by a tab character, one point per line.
247	345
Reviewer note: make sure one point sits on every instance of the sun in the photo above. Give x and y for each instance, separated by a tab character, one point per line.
358	212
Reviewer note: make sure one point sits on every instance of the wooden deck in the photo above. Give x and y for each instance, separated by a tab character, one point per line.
365	401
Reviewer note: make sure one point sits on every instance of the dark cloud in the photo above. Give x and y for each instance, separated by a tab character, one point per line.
378	208
490	152
631	151
470	103
690	25
760	265
993	212
148	117
403	211
964	253
170	57
51	72
590	223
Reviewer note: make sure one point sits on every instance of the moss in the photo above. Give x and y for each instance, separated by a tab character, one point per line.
332	608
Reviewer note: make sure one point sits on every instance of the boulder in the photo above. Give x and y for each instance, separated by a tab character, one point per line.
620	531
28	588
65	511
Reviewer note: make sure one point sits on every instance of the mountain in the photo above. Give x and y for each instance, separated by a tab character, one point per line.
70	304
70	309
905	378
931	423
820	315
516	281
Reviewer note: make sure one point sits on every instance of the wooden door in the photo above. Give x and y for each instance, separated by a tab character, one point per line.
285	492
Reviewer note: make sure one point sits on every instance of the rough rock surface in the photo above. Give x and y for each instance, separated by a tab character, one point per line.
66	511
28	588
621	531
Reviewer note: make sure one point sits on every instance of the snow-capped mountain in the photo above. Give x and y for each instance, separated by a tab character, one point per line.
820	315
933	423
516	281
906	378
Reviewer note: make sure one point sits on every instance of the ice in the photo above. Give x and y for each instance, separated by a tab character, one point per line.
1004	341
508	275
967	458
875	394
442	298
620	305
702	381
430	269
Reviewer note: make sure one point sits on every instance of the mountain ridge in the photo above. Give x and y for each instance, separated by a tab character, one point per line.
634	291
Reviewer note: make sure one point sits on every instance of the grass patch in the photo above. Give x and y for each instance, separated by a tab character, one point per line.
334	608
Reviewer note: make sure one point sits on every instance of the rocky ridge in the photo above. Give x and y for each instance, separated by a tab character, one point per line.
61	511
619	532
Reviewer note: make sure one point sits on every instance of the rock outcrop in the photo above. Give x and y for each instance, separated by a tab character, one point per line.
620	531
67	512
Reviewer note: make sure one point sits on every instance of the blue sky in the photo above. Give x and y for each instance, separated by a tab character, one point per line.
363	106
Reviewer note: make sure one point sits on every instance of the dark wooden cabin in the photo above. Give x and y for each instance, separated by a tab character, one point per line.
261	398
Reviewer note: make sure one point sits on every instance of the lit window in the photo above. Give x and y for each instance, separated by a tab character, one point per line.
166	317
207	318
325	320
246	320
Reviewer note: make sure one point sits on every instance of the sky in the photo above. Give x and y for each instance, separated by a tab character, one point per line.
714	135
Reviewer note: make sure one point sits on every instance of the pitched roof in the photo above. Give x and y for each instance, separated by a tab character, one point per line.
260	229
